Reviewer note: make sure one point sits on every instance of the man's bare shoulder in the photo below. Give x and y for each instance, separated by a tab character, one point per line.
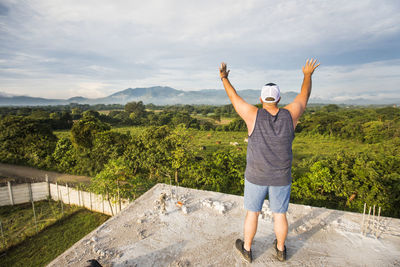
295	109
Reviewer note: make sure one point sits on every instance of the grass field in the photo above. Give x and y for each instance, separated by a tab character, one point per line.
213	140
223	121
134	130
303	145
307	146
51	241
18	221
62	134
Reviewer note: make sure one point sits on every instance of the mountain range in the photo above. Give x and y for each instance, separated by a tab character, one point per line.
160	95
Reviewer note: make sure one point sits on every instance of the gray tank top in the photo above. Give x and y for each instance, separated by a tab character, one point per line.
269	150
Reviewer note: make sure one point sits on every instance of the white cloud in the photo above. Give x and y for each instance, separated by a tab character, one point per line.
378	78
90	89
118	44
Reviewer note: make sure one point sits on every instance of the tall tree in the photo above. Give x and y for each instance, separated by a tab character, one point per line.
26	141
83	131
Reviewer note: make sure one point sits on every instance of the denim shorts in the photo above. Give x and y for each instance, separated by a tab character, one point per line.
254	196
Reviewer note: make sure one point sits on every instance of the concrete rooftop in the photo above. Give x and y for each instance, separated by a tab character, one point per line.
203	232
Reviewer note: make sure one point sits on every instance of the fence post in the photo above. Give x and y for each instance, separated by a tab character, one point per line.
58	193
33	205
10	193
79	197
48	186
30	192
83	198
102	201
90	198
62	204
69	199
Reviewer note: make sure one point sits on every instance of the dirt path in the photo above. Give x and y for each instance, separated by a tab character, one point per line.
22	174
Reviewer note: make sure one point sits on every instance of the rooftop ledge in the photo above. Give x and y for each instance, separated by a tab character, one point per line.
200	230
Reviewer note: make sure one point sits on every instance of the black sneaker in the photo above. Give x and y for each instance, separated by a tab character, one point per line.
243	252
93	263
281	255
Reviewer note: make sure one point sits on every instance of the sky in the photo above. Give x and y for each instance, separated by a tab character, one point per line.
62	49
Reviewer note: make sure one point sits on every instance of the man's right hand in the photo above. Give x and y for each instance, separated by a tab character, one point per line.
223	73
310	66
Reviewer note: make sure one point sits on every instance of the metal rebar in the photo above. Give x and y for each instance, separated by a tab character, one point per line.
177	195
373	220
379	214
363	218
170	187
378	222
368	220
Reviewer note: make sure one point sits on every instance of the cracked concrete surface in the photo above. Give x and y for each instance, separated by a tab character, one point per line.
200	230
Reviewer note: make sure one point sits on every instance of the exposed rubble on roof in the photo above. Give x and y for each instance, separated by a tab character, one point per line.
186	227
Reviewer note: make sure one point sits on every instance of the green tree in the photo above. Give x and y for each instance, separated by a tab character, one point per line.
39	114
221	171
84	131
107	145
154	154
181	152
236	125
317	184
76	113
136	111
64	155
331	108
347	180
91	113
117	181
26	141
374	131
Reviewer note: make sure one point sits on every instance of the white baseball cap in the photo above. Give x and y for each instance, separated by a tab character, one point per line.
270	90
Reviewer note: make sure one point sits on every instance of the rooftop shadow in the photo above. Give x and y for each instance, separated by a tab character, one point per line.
160	257
266	242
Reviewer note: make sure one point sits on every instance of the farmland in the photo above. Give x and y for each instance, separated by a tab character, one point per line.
343	156
58	229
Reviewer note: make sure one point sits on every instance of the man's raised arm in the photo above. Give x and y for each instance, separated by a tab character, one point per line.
297	107
245	110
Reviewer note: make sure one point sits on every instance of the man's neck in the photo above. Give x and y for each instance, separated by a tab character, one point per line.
271	108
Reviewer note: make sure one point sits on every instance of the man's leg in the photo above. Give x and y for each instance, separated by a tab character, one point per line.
254	196
250	228
279	202
281	229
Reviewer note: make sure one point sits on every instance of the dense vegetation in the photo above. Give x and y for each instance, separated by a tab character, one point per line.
176	144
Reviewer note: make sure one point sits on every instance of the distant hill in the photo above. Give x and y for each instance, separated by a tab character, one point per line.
28	101
170	96
160	95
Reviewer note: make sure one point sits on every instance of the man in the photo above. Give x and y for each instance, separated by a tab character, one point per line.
269	156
